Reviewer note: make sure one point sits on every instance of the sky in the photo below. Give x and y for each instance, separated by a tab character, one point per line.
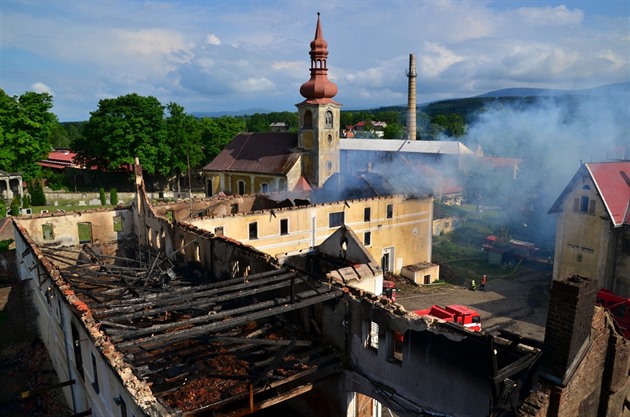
216	55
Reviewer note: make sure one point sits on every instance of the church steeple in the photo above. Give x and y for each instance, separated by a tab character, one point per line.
319	89
319	117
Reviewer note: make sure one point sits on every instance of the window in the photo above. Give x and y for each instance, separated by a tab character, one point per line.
118	224
335	219
329	119
396	341
197	254
367	214
76	345
367	238
264	188
253	230
371	335
625	246
95	374
170	215
122	405
284	226
218	231
584	205
240	186
47	231
85	232
308	120
390	211
233	208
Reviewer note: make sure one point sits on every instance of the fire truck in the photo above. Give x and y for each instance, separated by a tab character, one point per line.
389	290
619	307
455	313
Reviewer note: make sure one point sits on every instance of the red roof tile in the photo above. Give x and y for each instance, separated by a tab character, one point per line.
612	180
266	153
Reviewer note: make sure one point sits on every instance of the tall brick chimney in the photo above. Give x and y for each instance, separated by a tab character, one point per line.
411	99
568	328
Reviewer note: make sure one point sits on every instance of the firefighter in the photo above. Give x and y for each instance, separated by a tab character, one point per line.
482	287
473	286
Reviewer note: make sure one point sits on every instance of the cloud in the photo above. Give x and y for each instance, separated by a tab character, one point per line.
544	16
212	39
41	88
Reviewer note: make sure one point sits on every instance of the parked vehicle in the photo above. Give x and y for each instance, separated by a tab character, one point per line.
619	307
389	290
520	249
455	313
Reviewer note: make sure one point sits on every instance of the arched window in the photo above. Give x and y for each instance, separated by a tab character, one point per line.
264	188
329	119
240	185
308	120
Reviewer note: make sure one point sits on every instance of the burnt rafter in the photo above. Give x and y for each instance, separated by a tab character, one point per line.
191	300
197	331
229	313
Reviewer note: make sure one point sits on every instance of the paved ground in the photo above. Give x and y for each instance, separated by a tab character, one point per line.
516	301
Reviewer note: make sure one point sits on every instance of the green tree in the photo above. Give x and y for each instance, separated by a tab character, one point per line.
26	124
393	131
3	209
101	194
218	132
122	129
15	206
35	189
113	196
184	139
450	124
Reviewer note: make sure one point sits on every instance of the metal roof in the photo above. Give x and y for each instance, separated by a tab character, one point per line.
401	145
612	180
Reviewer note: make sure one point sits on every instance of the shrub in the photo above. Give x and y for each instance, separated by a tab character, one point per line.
38	198
113	196
15	206
101	193
27	201
3	210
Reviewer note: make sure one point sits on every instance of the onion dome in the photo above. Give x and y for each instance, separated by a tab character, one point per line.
319	89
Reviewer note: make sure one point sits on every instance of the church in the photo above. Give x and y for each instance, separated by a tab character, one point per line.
280	161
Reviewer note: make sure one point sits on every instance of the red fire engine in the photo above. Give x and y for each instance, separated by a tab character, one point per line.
619	307
455	313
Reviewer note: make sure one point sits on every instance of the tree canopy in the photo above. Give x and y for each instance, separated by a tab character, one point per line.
26	125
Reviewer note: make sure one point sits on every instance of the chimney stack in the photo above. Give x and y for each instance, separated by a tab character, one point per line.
411	101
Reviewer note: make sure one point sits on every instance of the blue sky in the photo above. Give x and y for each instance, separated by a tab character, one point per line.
241	54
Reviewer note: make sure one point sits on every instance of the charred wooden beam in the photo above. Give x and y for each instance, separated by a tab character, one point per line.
226	324
251	309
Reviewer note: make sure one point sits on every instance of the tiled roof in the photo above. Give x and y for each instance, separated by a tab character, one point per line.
612	180
265	153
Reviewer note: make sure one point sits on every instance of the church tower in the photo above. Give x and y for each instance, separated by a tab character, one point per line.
318	118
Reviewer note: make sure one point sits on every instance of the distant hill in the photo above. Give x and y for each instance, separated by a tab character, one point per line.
610	89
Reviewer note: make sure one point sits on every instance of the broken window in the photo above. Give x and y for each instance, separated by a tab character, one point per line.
85	232
264	188
371	335
197	253
336	219
390	211
253	230
367	214
625	246
94	374
47	231
284	226
233	208
170	215
367	238
240	186
76	347
118	224
396	342
218	231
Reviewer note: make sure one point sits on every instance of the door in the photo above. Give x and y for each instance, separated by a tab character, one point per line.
387	259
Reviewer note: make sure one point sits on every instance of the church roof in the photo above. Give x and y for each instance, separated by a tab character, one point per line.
272	153
319	89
